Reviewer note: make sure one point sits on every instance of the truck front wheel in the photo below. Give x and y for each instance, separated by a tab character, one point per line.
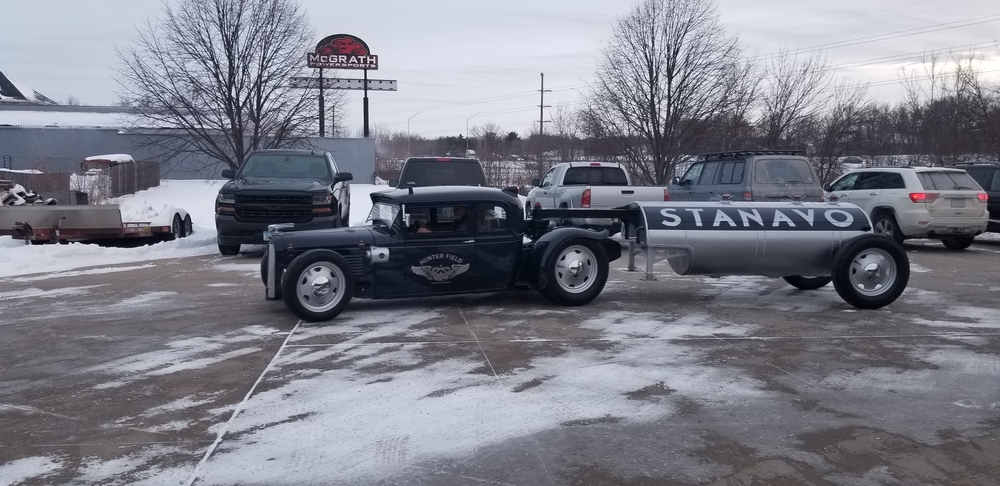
318	285
229	250
577	273
870	271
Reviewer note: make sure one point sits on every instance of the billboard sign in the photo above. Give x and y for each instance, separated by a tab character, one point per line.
342	51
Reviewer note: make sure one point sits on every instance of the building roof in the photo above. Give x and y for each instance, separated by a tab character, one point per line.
13	92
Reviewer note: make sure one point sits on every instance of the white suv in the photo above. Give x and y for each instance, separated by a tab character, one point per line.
916	202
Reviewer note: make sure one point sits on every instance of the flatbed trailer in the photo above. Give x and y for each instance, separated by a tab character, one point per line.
86	224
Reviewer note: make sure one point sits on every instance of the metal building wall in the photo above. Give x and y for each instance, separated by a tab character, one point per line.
53	149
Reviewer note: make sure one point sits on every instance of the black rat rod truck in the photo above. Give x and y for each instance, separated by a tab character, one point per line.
456	240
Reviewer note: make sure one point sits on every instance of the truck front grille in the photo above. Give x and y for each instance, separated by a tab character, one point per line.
272	199
272	215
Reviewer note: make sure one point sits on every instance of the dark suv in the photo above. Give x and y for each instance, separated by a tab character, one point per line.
749	175
440	171
987	174
280	186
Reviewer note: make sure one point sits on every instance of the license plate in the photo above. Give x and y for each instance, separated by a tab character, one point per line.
267	235
958	203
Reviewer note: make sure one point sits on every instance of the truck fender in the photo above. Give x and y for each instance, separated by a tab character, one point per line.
545	246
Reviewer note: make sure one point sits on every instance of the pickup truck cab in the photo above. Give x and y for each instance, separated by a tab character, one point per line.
598	185
416	243
300	187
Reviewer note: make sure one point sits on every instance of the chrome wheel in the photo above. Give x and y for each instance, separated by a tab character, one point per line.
873	272
320	287
576	269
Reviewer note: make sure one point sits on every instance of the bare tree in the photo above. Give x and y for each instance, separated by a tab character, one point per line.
668	69
847	109
217	70
796	89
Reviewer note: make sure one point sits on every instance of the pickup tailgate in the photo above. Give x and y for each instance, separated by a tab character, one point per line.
605	197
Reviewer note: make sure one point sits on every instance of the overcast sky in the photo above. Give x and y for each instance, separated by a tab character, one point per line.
469	62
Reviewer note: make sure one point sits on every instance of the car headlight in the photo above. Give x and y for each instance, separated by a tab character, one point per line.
322	199
227	197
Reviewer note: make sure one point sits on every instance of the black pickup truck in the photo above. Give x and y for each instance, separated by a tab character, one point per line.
302	187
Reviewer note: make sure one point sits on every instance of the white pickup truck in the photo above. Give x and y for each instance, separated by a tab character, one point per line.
589	185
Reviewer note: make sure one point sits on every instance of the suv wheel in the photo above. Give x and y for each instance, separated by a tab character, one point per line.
884	223
957	243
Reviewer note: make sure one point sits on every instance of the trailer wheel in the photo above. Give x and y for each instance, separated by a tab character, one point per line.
871	271
318	285
188	227
807	283
229	250
577	273
176	228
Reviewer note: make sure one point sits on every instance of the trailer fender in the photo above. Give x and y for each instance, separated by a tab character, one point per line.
545	247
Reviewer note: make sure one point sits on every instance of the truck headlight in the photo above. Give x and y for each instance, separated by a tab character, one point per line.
227	197
322	199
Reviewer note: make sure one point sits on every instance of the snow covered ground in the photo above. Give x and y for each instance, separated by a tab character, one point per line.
195	196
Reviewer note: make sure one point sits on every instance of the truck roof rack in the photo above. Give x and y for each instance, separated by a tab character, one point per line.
745	153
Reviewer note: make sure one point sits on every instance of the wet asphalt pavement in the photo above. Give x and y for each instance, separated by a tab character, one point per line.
179	372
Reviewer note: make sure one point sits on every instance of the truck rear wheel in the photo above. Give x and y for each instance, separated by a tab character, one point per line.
577	273
318	285
807	283
871	271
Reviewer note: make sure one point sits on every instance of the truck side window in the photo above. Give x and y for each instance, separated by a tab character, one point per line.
547	180
491	219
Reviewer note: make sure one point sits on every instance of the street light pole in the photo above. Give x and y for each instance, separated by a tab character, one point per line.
467	132
408	132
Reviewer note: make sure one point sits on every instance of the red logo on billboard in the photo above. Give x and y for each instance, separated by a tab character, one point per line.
342	51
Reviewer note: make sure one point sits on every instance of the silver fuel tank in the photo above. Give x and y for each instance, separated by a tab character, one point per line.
748	238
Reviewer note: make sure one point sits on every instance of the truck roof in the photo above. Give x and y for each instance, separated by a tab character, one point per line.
592	164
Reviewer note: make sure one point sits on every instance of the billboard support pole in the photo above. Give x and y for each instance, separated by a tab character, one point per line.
322	114
366	102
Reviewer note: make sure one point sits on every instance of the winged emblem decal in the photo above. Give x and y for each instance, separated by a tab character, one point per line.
442	273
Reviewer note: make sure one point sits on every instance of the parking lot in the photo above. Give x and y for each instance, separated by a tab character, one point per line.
179	372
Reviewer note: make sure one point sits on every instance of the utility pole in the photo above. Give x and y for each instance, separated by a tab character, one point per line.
541	107
541	128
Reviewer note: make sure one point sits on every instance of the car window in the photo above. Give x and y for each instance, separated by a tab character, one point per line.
845	183
782	171
995	184
983	176
947	181
732	173
491	219
693	173
709	172
595	176
420	173
384	212
869	180
440	220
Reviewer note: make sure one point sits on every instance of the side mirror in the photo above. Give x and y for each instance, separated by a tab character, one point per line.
534	182
827	187
687	183
229	173
393	182
676	181
343	176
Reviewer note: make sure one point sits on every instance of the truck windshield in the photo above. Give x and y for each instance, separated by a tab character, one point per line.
383	213
595	176
419	173
287	166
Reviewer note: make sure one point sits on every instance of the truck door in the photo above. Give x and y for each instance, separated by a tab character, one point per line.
497	248
545	193
440	251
